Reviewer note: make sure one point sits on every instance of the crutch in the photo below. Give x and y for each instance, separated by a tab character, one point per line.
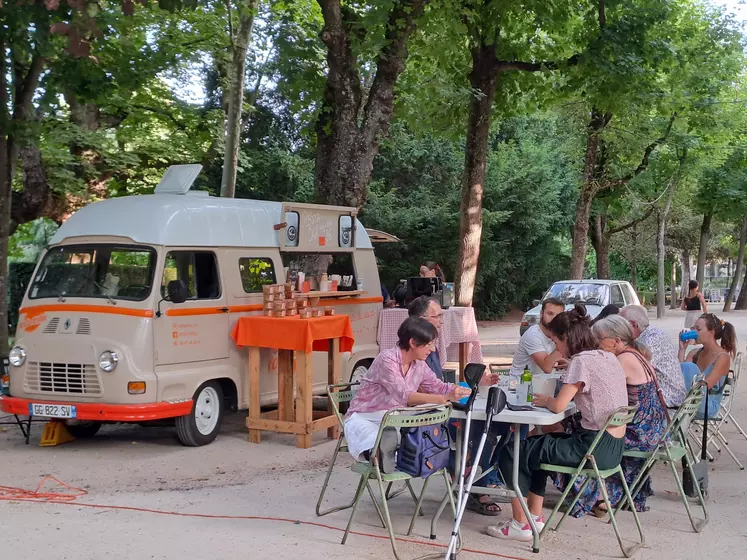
472	375
496	403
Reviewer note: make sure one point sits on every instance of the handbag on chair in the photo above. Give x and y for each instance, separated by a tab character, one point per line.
423	450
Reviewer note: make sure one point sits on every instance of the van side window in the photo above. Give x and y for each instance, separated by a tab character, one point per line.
616	295
628	293
313	265
198	270
255	273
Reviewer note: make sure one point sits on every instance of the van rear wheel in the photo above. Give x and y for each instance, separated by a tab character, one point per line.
201	426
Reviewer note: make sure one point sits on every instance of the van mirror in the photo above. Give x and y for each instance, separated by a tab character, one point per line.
535	302
177	292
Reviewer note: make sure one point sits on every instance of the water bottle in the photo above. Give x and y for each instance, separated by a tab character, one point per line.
526	380
689	335
523	388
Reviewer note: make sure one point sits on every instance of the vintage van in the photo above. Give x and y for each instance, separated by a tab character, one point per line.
100	340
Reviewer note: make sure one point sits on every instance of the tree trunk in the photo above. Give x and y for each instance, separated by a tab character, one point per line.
5	196
240	44
705	236
634	257
686	266
673	285
661	295
738	271
742	298
484	80
352	125
589	189
600	240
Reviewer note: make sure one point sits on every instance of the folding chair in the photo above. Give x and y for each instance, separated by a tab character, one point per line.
621	417
729	417
716	422
398	418
673	449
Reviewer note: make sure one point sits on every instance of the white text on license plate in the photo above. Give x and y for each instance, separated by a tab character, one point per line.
52	410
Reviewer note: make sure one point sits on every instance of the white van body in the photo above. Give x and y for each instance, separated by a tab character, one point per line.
94	328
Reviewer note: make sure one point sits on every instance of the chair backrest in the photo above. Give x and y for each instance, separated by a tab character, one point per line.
341	394
738	364
680	424
416	417
620	417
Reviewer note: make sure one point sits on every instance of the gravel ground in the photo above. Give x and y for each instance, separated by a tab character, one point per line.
142	468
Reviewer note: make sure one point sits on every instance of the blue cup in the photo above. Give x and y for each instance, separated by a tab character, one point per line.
689	335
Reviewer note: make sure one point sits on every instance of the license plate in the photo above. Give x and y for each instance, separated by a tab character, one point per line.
52	410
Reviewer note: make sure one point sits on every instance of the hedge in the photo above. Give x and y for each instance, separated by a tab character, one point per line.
19	274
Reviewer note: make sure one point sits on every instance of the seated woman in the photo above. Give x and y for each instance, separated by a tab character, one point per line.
615	335
398	378
595	381
712	360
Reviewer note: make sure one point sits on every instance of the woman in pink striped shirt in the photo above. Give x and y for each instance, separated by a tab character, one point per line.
398	378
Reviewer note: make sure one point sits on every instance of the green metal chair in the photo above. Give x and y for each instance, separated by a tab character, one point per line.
398	418
340	394
621	417
673	449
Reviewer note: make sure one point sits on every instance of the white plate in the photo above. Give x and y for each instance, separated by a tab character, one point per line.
52	410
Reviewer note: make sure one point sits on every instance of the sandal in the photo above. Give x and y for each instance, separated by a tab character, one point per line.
489	509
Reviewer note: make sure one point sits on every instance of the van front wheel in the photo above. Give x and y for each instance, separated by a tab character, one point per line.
202	425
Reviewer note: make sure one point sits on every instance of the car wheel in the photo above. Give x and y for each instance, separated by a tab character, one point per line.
201	426
360	370
83	429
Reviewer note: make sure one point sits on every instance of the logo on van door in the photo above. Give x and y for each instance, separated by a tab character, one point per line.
68	323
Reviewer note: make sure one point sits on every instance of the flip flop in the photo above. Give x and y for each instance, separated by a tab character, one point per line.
483	508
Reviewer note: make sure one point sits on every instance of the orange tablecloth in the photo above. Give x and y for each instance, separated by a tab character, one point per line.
294	333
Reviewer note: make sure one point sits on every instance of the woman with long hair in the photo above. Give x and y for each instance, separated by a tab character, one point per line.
615	335
712	360
595	381
694	303
429	269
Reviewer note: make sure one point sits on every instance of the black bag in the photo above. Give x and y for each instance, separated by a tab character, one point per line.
700	469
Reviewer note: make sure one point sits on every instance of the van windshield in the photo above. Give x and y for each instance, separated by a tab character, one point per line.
588	294
95	271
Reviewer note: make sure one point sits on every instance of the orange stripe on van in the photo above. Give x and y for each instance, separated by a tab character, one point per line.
37	310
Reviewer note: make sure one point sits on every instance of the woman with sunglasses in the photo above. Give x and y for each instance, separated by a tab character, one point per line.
398	378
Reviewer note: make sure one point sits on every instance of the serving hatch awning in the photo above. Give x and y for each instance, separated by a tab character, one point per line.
377	236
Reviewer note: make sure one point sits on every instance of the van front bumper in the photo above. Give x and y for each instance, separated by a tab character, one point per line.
100	412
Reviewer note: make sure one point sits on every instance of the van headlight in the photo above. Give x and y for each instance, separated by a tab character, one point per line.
17	356
108	361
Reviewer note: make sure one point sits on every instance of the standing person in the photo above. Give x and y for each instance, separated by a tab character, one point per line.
663	354
694	303
595	381
712	360
429	269
536	349
615	335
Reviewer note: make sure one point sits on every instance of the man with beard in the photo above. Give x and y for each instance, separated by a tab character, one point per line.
535	349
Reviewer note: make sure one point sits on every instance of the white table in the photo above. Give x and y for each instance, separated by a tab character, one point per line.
536	417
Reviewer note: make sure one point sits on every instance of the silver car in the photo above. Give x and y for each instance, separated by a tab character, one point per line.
594	294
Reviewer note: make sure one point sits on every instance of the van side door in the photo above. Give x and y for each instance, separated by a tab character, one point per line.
196	330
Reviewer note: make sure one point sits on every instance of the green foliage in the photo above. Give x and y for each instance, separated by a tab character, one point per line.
19	274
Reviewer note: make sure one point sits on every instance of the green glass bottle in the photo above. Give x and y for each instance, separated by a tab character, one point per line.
526	379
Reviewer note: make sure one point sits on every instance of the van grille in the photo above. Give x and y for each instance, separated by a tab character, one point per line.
84	327
63	379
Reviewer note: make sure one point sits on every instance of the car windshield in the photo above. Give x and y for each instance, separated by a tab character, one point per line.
95	271
588	294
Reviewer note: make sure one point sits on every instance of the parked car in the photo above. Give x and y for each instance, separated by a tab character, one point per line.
594	294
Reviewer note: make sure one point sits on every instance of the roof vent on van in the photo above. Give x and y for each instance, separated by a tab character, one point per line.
178	179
